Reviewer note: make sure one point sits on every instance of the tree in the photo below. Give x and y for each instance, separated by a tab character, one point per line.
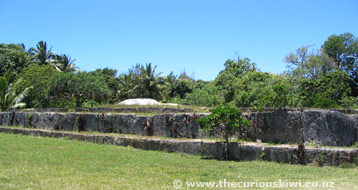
65	64
39	77
308	64
180	87
13	58
110	76
250	89
204	94
278	97
184	75
74	89
168	83
142	81
344	51
9	99
333	86
233	69
225	119
126	86
171	78
43	55
151	81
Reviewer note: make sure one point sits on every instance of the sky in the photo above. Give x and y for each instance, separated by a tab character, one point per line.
196	36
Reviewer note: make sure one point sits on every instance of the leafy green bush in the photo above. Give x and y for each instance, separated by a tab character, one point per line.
318	101
278	97
13	58
256	89
349	102
326	91
225	119
205	95
181	87
78	88
89	104
69	102
39	77
109	76
234	69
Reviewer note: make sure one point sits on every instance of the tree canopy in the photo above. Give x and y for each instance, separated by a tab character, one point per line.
325	77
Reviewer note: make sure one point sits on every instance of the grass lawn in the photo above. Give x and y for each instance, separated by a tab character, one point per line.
28	162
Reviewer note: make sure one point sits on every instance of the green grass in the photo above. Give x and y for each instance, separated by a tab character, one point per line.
28	162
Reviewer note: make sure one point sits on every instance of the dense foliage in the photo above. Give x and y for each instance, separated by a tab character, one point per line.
9	99
73	90
326	78
39	77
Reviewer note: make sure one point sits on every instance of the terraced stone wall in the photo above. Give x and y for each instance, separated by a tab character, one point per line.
332	128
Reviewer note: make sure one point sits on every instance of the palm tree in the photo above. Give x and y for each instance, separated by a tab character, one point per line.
9	99
127	86
43	55
151	81
65	63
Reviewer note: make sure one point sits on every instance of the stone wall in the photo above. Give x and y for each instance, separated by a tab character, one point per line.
331	128
112	110
280	126
211	149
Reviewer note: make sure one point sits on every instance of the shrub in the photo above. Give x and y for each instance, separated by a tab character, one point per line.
349	102
89	104
204	95
77	89
326	91
318	101
39	77
225	119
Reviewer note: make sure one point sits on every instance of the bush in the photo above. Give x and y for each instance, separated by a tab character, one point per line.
181	87
13	58
69	102
326	91
204	95
224	118
258	90
318	101
39	77
78	88
89	104
277	98
349	102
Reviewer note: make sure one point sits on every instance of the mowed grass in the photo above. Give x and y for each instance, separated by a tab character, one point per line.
28	162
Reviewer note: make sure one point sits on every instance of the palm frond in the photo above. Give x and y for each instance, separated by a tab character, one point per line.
17	99
19	105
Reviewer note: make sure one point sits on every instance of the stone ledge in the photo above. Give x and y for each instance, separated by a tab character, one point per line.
212	149
112	110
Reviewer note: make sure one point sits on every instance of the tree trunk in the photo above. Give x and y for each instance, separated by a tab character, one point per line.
226	136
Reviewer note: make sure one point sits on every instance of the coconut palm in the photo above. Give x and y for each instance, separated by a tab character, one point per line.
151	81
43	55
9	99
65	63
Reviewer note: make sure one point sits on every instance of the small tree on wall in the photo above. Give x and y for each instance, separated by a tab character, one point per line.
226	119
